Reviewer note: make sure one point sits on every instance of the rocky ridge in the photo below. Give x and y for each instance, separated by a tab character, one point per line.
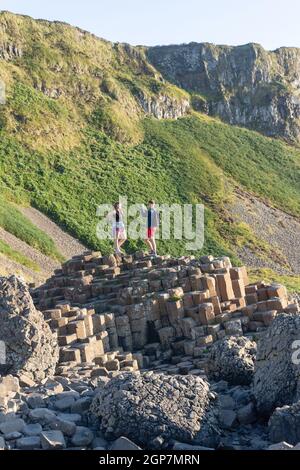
156	310
31	348
244	85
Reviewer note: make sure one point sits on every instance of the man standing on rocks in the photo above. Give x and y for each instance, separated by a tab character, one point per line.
152	223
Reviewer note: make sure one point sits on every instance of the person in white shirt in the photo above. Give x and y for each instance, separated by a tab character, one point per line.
152	223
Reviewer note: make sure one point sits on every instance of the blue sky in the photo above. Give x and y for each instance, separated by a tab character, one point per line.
272	23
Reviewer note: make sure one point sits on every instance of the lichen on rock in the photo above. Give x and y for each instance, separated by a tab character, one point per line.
31	348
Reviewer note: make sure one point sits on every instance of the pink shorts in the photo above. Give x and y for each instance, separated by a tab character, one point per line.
119	232
151	232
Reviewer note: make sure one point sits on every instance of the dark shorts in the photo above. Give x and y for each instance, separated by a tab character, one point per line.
151	232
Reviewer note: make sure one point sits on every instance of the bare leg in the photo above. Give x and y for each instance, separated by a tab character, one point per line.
148	242
121	242
153	244
116	244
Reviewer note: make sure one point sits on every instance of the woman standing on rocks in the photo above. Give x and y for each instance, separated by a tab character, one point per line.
118	228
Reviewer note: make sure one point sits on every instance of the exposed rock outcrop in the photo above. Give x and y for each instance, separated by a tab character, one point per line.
10	51
150	407
232	359
277	372
284	424
244	85
163	106
124	304
31	348
136	310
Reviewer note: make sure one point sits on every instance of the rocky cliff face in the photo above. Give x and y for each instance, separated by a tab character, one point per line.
163	106
31	348
243	85
66	62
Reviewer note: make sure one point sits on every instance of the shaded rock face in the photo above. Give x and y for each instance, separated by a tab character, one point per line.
155	407
10	51
31	349
243	85
163	106
277	376
284	424
232	359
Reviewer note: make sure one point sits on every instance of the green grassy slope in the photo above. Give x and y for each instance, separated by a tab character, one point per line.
14	255
178	161
14	222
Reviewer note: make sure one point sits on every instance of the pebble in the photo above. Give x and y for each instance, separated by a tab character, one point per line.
12	425
68	428
280	446
12	436
40	415
247	414
228	418
32	429
28	443
73	417
81	405
99	442
53	440
124	444
83	436
64	404
35	401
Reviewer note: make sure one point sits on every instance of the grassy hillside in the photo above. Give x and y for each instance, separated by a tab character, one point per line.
14	255
178	161
73	135
14	222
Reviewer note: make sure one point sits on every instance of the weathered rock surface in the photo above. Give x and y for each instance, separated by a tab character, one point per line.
280	446
284	424
97	398
277	372
244	85
145	407
122	443
31	349
138	312
232	359
163	106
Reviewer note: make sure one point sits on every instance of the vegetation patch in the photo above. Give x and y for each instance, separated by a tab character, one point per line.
14	222
14	255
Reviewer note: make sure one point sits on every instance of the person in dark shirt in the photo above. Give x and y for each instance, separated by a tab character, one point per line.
152	223
118	228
